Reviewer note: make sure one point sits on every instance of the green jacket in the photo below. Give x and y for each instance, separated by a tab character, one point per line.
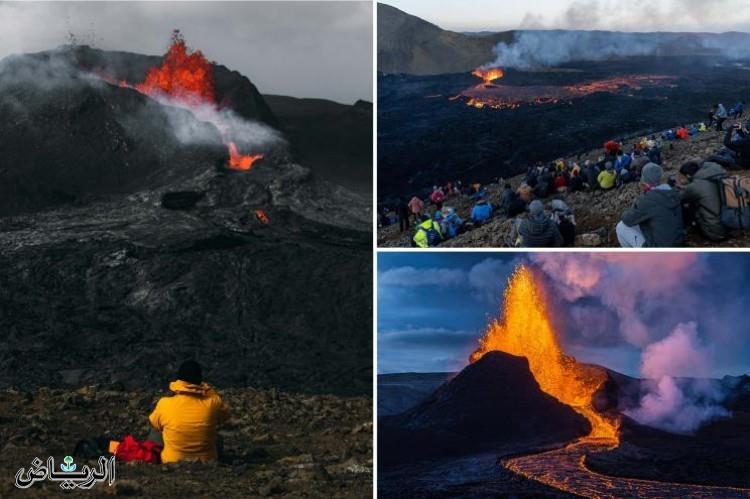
703	194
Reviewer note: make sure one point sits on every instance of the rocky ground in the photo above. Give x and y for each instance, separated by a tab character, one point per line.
596	212
277	443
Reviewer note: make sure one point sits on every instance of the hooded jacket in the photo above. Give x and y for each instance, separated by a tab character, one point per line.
658	213
703	192
539	231
481	212
188	421
420	237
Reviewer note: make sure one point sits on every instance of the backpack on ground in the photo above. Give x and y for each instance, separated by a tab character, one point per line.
734	192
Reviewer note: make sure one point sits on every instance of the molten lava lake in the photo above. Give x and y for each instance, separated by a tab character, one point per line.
427	133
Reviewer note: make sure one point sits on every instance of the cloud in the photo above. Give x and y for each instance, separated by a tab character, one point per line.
429	337
413	277
489	277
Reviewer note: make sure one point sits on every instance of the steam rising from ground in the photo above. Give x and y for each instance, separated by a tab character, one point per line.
538	49
679	406
649	296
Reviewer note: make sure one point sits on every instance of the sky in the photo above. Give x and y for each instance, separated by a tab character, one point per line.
301	49
628	15
609	309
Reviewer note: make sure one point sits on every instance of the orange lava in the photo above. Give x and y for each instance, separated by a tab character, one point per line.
187	78
488	75
526	330
262	217
183	76
496	96
239	161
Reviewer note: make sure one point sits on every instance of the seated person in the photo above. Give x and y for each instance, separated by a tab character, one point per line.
702	200
188	419
481	212
608	177
451	224
655	220
428	233
539	230
737	152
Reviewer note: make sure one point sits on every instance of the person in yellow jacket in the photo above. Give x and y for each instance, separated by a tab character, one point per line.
428	233
607	177
188	419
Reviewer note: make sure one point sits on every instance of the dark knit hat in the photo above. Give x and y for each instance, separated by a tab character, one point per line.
191	372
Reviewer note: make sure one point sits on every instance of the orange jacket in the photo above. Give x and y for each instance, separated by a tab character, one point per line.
188	421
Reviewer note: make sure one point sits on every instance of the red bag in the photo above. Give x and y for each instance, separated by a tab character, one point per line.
131	449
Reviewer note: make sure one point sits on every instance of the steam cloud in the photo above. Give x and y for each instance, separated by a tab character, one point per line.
537	49
669	404
634	290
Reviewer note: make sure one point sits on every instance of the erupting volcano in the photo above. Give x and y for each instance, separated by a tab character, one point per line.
526	330
489	74
513	96
187	78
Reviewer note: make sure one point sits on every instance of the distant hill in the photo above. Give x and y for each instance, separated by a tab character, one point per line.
408	44
401	391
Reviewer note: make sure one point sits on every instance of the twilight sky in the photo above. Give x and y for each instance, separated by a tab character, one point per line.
302	49
609	308
632	15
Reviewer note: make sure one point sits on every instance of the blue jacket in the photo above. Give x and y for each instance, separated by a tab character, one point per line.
481	212
623	162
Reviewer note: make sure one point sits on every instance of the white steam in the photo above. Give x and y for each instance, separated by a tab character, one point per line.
679	406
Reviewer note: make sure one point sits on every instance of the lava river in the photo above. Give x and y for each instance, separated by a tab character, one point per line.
526	329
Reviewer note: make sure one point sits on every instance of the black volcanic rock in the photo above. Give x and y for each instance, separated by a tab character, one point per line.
124	251
495	401
334	140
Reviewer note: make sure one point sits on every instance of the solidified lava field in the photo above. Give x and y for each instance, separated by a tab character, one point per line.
425	137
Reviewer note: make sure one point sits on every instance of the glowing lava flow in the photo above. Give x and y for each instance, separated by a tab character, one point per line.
526	330
188	79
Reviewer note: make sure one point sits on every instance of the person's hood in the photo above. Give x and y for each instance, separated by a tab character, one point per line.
708	170
180	386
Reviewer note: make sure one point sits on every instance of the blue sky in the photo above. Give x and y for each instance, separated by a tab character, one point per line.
433	307
633	15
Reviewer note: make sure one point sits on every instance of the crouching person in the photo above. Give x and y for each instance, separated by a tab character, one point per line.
702	199
188	419
655	220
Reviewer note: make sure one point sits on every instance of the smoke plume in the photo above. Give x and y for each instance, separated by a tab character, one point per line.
539	49
678	406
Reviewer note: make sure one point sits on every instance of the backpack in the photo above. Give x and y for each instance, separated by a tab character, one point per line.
735	201
131	449
433	236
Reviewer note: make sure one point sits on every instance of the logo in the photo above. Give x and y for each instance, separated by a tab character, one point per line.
68	477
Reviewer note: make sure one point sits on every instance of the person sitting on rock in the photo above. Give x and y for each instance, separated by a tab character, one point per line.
539	230
701	198
721	116
737	143
428	233
186	422
452	224
737	110
560	183
607	178
655	220
481	212
437	197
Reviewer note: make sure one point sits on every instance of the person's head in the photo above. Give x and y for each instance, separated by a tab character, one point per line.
536	208
425	217
689	169
190	371
651	174
507	186
608	165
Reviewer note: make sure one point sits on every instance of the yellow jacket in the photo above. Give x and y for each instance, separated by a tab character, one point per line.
420	238
607	179
188	422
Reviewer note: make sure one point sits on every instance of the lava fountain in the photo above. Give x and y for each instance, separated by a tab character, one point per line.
488	75
526	330
187	78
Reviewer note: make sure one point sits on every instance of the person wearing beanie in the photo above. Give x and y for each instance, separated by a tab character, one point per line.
607	177
701	198
188	419
539	230
655	220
